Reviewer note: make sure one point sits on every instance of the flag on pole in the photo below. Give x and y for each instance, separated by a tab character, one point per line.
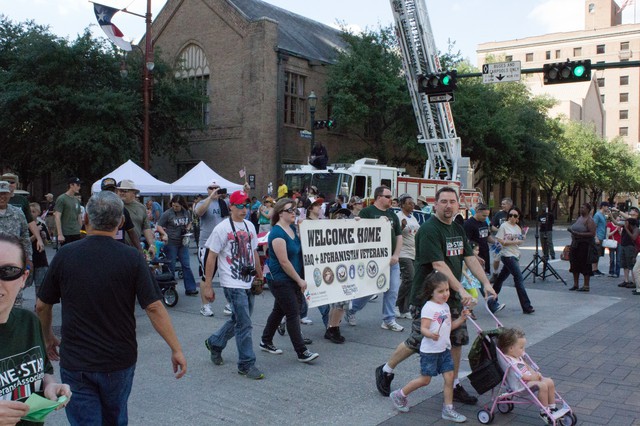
104	15
242	173
625	4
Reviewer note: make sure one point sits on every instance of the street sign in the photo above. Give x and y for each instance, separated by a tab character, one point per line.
436	99
501	72
305	134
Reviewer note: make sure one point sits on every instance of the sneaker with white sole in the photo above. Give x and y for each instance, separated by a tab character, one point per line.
206	311
396	312
452	415
307	356
351	319
407	315
227	310
270	347
393	326
306	321
400	402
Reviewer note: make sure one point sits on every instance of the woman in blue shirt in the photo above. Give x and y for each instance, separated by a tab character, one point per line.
285	280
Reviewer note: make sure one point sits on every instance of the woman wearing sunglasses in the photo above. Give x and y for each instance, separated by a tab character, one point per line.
285	280
21	340
510	237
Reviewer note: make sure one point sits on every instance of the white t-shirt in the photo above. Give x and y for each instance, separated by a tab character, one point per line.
234	252
409	232
509	232
440	317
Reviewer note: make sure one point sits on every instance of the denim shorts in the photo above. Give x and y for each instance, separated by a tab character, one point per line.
436	363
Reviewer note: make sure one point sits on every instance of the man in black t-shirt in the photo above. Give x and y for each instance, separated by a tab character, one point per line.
545	221
98	281
477	230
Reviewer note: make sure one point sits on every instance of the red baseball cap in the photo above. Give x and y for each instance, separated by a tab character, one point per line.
239	197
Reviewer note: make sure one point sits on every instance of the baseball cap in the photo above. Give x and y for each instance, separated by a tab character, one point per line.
213	183
317	201
9	177
108	184
4	186
75	180
239	197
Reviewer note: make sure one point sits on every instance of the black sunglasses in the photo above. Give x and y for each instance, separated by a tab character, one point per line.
10	273
292	210
513	215
387	196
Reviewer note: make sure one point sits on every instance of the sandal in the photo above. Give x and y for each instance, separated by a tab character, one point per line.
574	288
584	289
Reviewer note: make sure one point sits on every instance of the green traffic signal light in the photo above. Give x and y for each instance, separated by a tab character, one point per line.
579	71
446	80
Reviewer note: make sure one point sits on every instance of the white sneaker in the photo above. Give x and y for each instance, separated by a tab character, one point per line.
396	312
351	319
206	311
407	315
393	326
306	321
452	415
227	310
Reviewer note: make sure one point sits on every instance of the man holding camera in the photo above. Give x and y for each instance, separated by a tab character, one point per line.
234	243
211	210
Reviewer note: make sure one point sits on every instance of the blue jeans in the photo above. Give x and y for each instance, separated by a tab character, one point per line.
389	299
512	267
99	398
182	253
238	325
614	260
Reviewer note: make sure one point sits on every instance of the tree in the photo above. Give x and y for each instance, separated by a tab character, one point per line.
66	109
369	97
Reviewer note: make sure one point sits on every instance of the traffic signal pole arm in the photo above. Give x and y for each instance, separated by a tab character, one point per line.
625	64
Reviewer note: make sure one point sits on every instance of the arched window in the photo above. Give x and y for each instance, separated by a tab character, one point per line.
193	65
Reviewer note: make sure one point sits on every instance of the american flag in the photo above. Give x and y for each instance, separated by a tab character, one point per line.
242	173
440	318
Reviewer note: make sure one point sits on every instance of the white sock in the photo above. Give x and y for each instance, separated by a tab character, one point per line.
387	369
552	406
449	406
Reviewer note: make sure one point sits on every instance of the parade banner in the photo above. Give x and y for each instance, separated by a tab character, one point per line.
345	259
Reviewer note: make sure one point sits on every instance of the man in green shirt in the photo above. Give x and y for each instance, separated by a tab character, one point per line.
382	208
441	244
67	213
127	191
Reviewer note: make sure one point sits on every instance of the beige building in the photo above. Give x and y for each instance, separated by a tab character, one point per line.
257	64
604	40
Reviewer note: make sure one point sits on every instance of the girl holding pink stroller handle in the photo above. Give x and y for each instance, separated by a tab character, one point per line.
435	349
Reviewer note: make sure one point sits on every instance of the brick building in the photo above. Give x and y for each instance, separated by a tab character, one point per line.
257	63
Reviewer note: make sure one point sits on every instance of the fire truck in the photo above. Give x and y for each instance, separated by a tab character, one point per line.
445	165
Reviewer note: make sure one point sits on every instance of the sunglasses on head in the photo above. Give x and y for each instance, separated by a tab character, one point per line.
10	273
513	215
242	206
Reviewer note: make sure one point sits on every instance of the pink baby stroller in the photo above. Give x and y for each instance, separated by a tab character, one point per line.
491	370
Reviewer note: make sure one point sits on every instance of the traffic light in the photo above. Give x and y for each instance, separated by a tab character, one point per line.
438	83
567	72
325	124
331	124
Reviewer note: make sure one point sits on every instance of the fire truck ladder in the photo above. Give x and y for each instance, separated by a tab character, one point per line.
435	121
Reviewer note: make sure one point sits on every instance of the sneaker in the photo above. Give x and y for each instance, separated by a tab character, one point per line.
530	310
306	321
635	292
269	347
307	356
452	415
351	319
631	285
400	402
192	293
227	310
597	273
216	355
383	381
333	334
623	284
252	373
206	311
545	418
396	312
498	308
461	395
393	326
406	315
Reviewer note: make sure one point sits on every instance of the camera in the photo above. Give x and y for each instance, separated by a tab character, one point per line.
222	191
247	271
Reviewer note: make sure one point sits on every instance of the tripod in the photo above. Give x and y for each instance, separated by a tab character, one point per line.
532	267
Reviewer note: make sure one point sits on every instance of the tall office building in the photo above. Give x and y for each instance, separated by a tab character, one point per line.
605	39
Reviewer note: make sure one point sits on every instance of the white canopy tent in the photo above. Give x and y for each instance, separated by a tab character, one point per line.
196	180
147	184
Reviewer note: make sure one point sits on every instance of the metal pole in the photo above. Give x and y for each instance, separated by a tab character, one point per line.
146	87
313	131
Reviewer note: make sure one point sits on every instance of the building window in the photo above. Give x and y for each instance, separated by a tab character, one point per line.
602	98
194	66
624	80
601	82
547	54
508	58
600	49
577	51
557	53
624	97
623	131
529	57
624	45
624	114
295	101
